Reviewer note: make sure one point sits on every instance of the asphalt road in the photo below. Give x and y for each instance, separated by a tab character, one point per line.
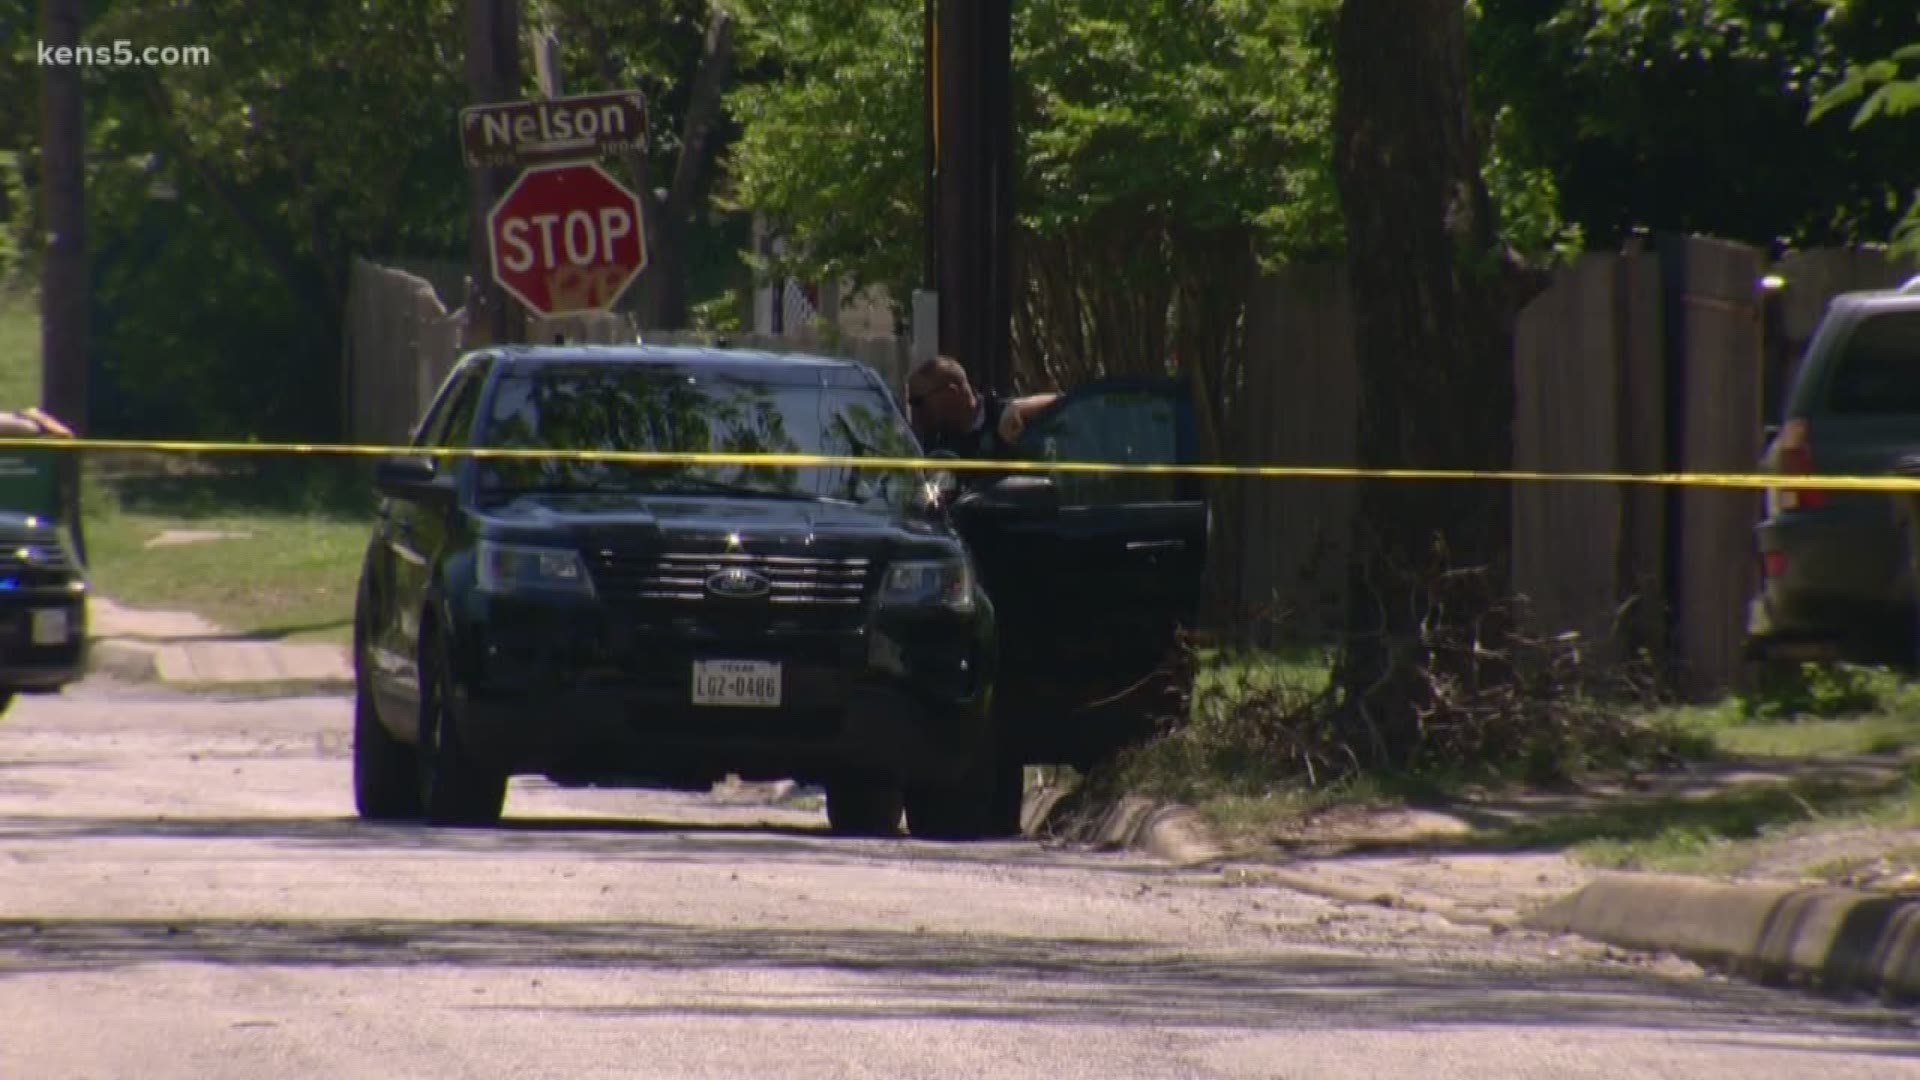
185	894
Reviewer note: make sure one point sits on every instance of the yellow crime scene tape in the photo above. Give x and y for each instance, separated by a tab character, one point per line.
789	460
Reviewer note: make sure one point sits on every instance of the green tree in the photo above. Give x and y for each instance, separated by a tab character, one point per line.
1883	90
19	138
228	200
682	54
1165	150
231	197
1691	115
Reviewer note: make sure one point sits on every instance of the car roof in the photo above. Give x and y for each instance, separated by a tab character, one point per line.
1898	296
751	365
641	353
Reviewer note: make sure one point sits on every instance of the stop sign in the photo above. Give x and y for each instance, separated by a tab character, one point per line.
566	239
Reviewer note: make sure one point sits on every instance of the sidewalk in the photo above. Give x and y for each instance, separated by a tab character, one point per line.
182	649
1772	925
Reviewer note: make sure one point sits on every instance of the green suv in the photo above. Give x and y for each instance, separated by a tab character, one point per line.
1836	567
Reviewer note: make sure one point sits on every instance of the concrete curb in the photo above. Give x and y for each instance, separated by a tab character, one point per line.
133	661
1169	832
1829	937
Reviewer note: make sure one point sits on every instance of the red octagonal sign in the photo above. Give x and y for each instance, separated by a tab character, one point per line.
566	239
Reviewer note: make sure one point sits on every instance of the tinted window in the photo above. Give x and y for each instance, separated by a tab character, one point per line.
1129	427
1879	369
434	424
671	409
459	425
450	416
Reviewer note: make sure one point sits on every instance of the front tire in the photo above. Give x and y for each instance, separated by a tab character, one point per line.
864	808
984	804
385	769
454	789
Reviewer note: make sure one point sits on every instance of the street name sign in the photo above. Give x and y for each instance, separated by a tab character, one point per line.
584	126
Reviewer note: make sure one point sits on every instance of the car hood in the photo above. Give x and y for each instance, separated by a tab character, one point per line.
618	518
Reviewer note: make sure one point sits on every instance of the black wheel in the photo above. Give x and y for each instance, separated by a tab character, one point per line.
385	770
864	808
454	790
984	804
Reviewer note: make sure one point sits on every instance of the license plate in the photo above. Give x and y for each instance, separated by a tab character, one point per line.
50	626
736	682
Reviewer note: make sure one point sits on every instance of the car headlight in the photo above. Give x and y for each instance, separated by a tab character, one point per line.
946	582
523	568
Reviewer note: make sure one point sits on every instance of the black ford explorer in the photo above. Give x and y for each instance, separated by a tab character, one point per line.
877	631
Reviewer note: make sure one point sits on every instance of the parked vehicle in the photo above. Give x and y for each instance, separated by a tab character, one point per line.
907	641
43	578
1837	580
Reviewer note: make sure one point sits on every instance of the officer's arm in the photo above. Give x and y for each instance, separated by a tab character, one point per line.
1014	418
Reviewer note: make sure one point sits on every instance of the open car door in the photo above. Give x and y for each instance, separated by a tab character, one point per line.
1091	574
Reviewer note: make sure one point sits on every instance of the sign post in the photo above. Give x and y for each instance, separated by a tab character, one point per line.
567	239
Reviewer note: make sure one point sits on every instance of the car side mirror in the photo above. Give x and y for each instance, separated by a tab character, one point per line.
410	478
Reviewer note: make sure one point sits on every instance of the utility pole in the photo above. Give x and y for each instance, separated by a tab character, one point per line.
970	129
63	273
493	76
64	296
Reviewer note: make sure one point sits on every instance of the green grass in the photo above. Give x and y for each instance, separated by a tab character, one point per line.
1705	832
1240	673
288	570
1881	733
303	525
1724	830
19	350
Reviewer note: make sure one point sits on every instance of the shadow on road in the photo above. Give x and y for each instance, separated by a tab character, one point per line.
603	839
884	974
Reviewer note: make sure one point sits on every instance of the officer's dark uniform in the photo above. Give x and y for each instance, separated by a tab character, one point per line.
982	440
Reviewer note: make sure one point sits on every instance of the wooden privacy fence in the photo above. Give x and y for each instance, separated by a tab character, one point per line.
401	341
1668	359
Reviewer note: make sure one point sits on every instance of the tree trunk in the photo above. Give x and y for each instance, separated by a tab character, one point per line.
662	300
493	76
1433	312
64	286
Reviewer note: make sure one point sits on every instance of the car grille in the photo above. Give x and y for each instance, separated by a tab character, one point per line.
31	550
794	582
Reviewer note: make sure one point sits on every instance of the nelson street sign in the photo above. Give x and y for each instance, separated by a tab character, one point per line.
565	129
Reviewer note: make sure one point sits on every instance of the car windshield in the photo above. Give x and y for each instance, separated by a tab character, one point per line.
686	409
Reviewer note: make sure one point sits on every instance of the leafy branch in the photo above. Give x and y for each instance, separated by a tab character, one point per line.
1882	90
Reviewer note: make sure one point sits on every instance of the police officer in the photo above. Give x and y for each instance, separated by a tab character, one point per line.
949	414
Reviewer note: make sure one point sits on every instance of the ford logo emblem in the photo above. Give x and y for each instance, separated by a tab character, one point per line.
737	584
